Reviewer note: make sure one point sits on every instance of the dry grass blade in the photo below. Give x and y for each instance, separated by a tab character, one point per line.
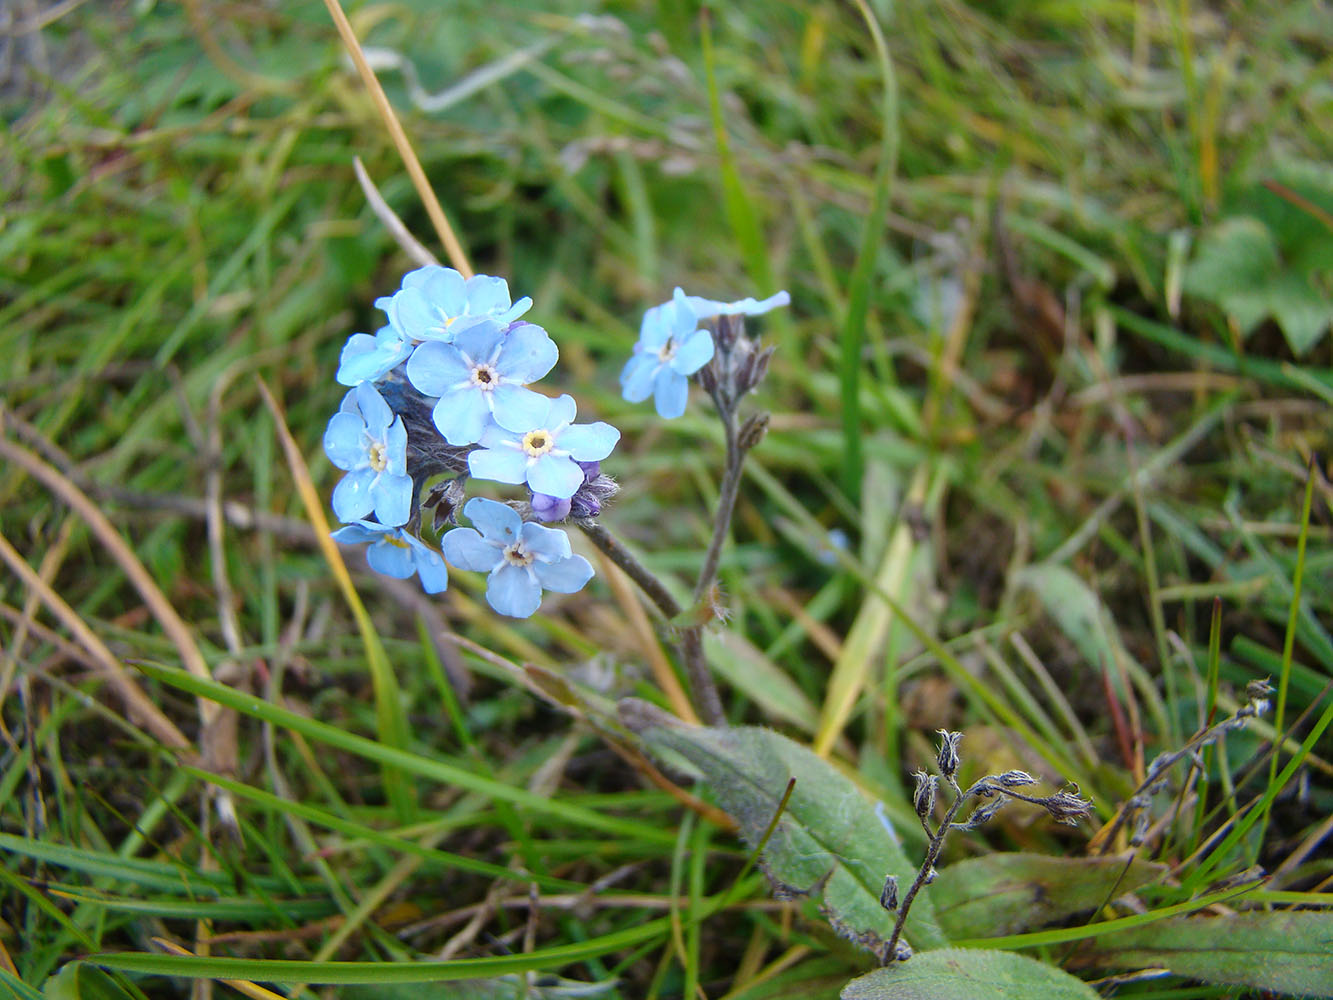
452	247
140	708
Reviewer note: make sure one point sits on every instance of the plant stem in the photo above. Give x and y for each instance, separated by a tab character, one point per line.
726	502
932	855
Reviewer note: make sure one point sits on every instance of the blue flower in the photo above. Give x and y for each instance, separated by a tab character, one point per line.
481	373
544	452
438	303
522	559
369	359
672	347
366	439
394	552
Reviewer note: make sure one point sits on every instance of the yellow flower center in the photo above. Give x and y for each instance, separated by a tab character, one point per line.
379	457
484	377
538	442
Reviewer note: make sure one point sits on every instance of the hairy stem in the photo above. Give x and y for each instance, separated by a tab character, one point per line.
932	855
726	502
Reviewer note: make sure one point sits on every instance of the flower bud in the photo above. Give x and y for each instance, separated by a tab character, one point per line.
1015	779
947	761
888	897
923	798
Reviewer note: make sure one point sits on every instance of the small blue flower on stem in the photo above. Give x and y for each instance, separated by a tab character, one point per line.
481	373
521	558
397	553
366	439
672	347
438	303
369	359
545	452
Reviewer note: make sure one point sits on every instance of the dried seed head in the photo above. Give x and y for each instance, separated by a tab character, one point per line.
1067	807
1016	779
923	798
902	952
888	897
947	760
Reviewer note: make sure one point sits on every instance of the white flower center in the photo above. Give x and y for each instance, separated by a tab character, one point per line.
517	555
379	456
537	443
484	377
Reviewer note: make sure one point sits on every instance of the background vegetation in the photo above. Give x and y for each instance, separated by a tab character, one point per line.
1043	408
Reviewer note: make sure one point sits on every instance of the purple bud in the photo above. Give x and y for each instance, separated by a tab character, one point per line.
549	508
591	470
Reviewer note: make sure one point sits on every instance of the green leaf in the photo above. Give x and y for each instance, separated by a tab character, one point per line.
1283	951
77	981
963	974
1239	268
830	834
1007	893
748	670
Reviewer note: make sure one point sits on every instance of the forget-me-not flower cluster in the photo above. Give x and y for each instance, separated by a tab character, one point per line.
440	391
441	395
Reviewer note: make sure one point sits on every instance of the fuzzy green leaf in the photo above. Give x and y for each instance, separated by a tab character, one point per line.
830	834
1009	893
1240	268
1283	951
964	974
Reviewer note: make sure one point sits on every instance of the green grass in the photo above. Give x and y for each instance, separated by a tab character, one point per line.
1076	501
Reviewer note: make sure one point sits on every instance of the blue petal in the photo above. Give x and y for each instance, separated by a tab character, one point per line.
393	499
343	441
462	417
351	497
548	544
391	556
639	375
500	465
515	311
468	550
480	341
435	368
565	576
411	312
681	317
563	410
374	409
589	442
527	354
705	308
357	534
556	475
671	392
395	445
367	359
499	522
514	591
519	410
487	294
655	330
432	571
695	351
443	287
